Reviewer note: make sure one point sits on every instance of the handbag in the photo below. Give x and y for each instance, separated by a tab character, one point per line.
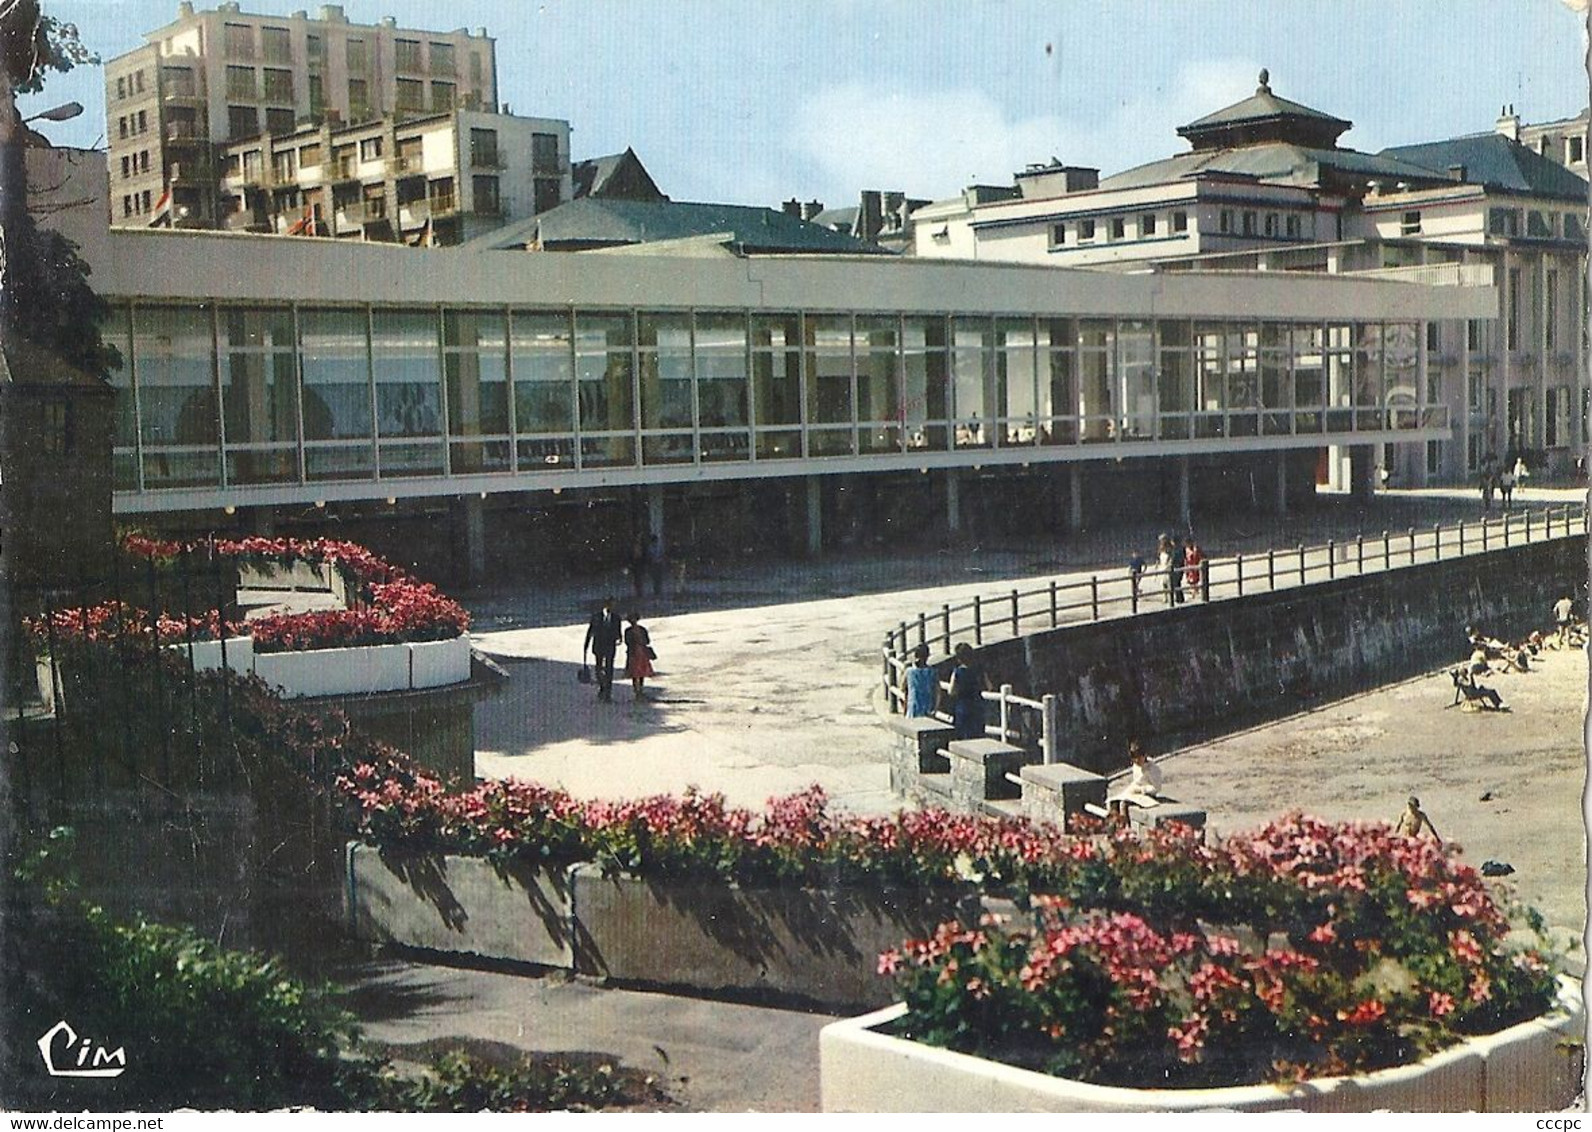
652	653
584	675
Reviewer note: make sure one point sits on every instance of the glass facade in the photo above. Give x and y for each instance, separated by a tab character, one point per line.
233	396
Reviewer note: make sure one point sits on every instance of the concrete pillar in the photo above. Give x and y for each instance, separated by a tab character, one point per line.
655	509
1185	513
1362	472
1281	500
472	529
953	501
815	515
1075	498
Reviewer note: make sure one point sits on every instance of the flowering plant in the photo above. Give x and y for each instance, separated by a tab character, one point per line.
116	622
389	606
1346	948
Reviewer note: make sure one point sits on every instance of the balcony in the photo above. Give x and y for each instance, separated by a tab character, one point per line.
181	93
342	169
405	163
185	133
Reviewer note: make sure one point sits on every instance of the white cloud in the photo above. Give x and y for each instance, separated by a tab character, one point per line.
857	135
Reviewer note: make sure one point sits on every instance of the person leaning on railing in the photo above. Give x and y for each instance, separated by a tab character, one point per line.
920	686
968	686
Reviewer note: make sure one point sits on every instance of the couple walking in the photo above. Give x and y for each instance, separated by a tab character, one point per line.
1178	564
603	635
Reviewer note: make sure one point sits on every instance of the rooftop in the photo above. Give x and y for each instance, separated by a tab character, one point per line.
594	222
1499	163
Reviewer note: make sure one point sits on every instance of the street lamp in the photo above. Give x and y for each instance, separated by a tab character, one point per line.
62	113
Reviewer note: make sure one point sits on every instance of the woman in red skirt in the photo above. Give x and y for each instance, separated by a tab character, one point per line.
638	654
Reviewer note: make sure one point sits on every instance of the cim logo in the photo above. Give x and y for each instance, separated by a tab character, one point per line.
78	1057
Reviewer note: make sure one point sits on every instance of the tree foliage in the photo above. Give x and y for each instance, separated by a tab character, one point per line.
48	299
33	44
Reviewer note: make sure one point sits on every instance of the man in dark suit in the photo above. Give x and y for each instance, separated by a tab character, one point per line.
602	637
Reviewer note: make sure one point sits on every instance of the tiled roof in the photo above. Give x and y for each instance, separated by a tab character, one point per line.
1496	162
592	222
1277	163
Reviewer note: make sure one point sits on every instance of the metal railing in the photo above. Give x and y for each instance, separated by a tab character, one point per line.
987	618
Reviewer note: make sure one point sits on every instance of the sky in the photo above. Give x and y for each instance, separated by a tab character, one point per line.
755	102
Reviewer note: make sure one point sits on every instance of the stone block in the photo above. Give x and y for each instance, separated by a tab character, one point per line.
979	768
915	746
1059	791
1167	812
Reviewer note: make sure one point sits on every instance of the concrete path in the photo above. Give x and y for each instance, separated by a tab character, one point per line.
708	1056
770	672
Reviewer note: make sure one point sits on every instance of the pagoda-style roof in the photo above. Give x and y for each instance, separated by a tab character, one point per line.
1262	118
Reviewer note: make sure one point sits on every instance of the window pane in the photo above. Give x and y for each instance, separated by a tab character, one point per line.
478	400
603	372
544	373
1136	359
829	370
405	363
1014	380
721	369
259	398
665	375
336	375
969	380
927	382
172	350
776	370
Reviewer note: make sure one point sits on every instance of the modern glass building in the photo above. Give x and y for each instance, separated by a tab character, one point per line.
267	373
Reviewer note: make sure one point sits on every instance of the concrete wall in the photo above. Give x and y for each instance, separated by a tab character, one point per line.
1196	668
816	945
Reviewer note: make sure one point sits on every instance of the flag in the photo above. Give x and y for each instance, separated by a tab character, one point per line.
423	237
161	217
304	226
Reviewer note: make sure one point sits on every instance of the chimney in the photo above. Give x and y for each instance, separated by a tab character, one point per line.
811	209
1509	123
184	9
792	207
333	14
389	21
870	216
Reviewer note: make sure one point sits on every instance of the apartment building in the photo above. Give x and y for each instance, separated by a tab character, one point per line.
437	179
214	76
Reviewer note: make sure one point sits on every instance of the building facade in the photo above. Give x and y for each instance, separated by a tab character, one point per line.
211	77
331	377
1265	186
437	179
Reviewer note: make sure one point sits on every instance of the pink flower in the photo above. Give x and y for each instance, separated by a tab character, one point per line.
1440	1004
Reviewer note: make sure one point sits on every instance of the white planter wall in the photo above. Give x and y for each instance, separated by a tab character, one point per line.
1532	1067
361	671
336	672
206	655
435	664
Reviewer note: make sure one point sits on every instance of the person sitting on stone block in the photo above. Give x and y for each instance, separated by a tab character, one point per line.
1143	788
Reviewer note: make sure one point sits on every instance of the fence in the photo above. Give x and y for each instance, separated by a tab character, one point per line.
1120	594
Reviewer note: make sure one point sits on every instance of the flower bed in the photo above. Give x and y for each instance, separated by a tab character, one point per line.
1344	948
386	605
1303	950
796	840
387	609
1535	1066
